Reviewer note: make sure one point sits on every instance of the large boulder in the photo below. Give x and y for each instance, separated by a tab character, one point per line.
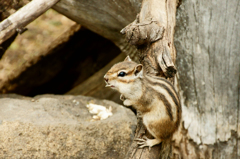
61	127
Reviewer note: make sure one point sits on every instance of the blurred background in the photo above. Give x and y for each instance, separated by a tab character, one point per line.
55	56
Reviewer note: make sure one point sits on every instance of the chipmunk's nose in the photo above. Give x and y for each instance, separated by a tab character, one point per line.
105	78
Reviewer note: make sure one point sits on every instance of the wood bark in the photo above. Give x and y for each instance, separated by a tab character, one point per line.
17	21
104	17
152	32
207	39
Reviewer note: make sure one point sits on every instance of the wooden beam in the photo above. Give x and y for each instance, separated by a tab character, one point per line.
17	21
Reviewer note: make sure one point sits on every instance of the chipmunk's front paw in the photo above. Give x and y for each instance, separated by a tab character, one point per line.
122	98
144	142
127	102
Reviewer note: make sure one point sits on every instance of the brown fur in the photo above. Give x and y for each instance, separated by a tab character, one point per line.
172	92
160	119
125	81
128	65
162	129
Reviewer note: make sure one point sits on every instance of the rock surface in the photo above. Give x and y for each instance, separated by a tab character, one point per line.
60	127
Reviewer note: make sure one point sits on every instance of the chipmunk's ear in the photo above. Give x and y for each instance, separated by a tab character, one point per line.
138	70
127	59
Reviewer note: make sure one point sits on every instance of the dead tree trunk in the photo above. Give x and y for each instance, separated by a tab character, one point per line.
152	32
207	40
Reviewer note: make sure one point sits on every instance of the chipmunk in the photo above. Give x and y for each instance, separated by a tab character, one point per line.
153	96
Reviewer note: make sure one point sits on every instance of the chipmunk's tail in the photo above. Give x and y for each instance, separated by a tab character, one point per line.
166	149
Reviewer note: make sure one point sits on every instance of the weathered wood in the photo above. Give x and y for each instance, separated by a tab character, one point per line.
145	32
8	7
153	32
104	17
120	13
17	21
207	39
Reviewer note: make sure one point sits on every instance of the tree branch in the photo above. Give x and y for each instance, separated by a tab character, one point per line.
17	21
152	31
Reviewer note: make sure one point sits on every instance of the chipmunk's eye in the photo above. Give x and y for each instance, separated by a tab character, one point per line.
122	74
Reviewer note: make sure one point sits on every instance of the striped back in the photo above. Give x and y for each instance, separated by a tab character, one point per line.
165	92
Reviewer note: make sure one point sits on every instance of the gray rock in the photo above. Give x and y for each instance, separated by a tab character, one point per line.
52	126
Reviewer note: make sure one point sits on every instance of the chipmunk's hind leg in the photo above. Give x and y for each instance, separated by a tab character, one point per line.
144	142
